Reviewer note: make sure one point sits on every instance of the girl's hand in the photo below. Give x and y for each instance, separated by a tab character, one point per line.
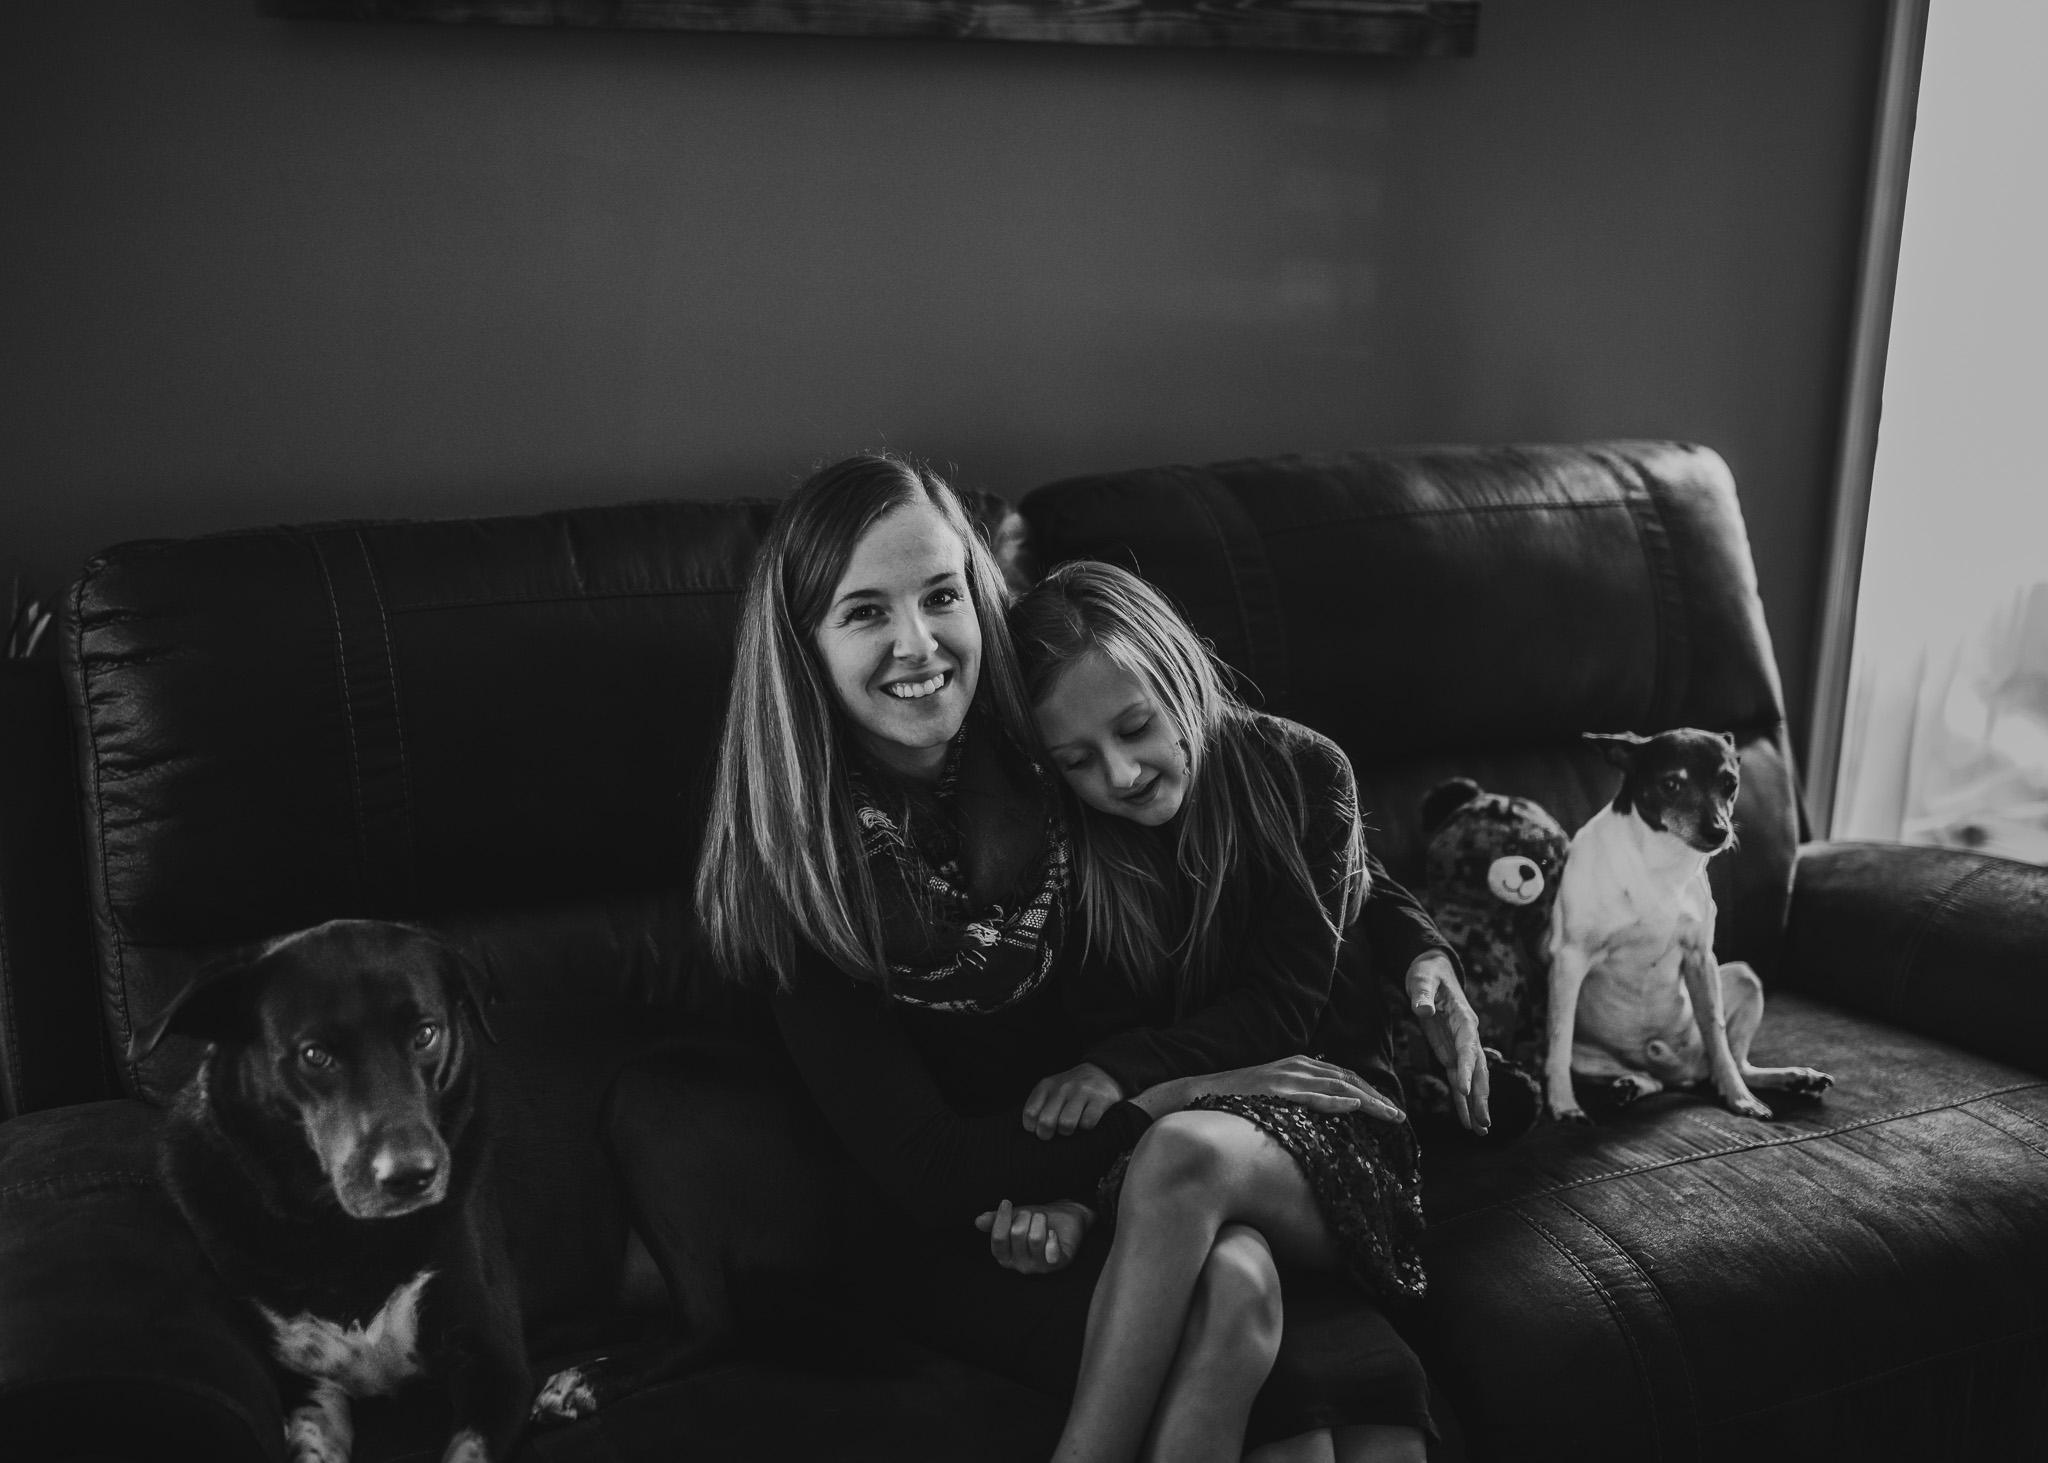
1035	1239
1313	1083
1073	1099
1452	1030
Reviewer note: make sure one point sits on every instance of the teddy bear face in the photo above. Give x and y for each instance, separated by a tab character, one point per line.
1515	878
1498	851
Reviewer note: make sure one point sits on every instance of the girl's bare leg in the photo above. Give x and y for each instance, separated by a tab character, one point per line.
1315	1447
1373	1443
1226	1349
1364	1443
1192	1173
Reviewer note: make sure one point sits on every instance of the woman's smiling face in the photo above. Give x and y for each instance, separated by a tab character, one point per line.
900	641
1113	742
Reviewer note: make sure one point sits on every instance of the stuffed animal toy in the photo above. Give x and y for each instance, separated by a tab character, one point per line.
1491	871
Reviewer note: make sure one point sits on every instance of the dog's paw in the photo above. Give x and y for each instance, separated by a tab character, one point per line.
1575	1116
1747	1106
1807	1082
568	1395
466	1446
1628	1087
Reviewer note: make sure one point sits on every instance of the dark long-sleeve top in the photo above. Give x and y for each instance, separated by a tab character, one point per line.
927	1097
1291	984
929	1103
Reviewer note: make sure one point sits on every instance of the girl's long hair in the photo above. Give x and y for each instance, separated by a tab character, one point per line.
781	860
1157	906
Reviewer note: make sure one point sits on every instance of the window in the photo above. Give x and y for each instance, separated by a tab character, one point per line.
1944	733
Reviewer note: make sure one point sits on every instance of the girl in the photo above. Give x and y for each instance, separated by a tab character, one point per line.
1220	863
882	855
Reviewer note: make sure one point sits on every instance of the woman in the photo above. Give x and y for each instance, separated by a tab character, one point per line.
1235	916
882	853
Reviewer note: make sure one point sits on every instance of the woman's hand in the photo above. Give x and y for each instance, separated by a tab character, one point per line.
1452	1030
1035	1239
1076	1098
1313	1083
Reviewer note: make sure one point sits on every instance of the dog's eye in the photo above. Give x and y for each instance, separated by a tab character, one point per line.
426	1036
1673	783
317	1057
1728	785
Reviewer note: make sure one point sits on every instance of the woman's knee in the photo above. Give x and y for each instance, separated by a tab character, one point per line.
1238	1291
1184	1155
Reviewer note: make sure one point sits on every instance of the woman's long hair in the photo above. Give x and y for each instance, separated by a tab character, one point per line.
781	860
1157	906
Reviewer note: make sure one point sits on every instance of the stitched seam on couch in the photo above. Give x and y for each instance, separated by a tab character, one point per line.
397	714
2023	1116
1723	1152
99	818
431	606
1935	908
2005	1132
1469	510
1672	680
348	717
1692	1395
2030	1333
1621	1324
118	1178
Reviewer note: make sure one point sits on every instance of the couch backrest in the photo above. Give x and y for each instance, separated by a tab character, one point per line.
1472	611
500	727
491	725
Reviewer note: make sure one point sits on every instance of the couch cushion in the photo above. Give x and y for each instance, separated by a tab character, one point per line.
116	1340
1865	1272
1944	940
1470	611
501	719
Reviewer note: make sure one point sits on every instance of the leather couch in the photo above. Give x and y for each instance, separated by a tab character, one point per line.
499	728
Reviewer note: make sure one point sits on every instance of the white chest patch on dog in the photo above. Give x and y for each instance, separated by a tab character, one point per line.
364	1359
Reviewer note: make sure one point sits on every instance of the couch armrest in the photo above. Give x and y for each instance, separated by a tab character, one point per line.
116	1340
52	1047
1944	942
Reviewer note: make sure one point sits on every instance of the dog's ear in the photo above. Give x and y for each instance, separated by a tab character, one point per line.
213	1006
1445	799
468	984
1728	738
1619	748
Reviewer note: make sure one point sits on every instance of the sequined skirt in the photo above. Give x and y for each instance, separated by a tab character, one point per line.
1364	1174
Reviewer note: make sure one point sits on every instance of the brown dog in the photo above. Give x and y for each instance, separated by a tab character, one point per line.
331	1156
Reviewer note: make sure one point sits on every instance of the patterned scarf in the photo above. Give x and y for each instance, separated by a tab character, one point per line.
973	891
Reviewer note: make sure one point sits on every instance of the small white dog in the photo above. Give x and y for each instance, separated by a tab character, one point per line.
1636	996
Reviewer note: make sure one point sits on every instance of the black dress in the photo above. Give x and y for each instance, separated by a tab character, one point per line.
928	1103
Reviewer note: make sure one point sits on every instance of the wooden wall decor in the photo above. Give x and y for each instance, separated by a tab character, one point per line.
1356	27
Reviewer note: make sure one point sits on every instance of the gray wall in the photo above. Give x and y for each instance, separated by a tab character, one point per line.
261	271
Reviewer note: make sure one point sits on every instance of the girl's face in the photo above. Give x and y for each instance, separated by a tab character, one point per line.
900	641
1113	742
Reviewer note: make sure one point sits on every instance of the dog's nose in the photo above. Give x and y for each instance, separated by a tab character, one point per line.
408	1179
405	1167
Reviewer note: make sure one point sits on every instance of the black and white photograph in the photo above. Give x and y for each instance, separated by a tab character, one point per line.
1023	731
